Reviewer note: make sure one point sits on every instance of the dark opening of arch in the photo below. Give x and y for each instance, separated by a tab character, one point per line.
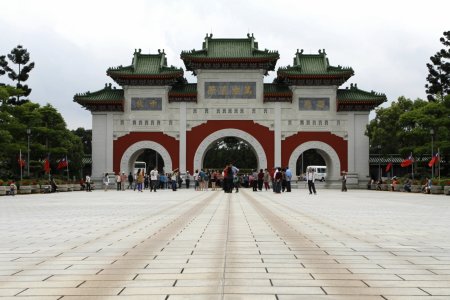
230	149
152	159
309	158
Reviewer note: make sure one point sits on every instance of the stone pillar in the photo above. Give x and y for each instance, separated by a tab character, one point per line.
277	135
182	134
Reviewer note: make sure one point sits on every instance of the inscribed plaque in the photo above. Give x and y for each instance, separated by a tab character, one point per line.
320	104
146	103
230	90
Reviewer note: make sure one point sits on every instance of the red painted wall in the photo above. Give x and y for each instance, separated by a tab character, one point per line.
337	143
121	145
194	137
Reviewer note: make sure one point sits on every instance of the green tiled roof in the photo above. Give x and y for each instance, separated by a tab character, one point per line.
353	94
107	94
230	48
190	88
313	64
146	64
274	88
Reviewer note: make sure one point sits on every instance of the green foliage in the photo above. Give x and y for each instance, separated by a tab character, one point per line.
406	126
49	136
20	57
439	71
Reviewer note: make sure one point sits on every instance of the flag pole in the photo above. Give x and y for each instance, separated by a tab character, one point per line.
67	168
20	164
439	165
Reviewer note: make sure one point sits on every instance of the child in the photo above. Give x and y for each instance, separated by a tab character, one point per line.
12	188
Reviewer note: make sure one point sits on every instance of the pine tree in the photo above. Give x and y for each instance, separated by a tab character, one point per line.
439	71
21	57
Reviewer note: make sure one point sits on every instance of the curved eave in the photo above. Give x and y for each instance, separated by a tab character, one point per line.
145	76
229	59
358	105
315	76
101	105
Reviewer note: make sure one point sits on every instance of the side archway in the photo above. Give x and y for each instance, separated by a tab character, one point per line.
132	153
326	151
207	142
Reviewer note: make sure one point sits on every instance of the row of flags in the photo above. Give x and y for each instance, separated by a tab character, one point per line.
409	161
63	163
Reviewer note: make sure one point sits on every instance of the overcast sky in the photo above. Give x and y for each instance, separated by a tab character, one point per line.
387	43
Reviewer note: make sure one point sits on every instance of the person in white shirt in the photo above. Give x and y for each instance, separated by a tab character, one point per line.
153	179
310	176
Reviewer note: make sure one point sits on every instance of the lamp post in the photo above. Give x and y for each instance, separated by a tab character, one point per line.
379	161
432	150
28	151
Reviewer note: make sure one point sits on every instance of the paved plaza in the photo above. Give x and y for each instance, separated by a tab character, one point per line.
358	245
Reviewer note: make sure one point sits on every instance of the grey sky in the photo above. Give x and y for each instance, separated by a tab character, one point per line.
72	43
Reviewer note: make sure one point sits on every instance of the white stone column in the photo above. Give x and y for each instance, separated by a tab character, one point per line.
277	135
351	142
182	141
102	144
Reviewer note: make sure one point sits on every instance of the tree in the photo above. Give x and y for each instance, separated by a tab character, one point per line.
20	57
439	71
49	135
405	127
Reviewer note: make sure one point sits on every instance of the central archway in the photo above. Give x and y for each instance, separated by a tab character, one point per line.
326	151
220	134
133	152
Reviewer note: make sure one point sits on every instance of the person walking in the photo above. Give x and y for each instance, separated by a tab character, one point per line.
266	179
123	179
153	179
106	182
187	180
174	177
310	176
260	179
277	178
88	183
288	174
130	181
118	182
344	181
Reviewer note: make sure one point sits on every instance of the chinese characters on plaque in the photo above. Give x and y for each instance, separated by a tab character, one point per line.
146	103
319	104
230	90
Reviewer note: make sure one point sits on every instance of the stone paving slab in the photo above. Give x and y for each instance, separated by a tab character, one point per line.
359	245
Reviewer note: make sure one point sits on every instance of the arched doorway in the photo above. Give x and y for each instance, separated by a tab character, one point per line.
205	145
230	149
133	152
310	157
328	154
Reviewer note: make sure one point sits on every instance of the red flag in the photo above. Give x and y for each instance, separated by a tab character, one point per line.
46	166
20	160
407	162
434	160
62	164
388	167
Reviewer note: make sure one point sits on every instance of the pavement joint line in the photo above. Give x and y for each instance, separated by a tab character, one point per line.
80	284
121	291
20	292
45	279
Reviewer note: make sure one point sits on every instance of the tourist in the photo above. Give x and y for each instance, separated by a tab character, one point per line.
266	180
140	179
394	183
174	179
196	183
123	179
118	182
260	179
187	179
277	178
283	180
153	179
310	176
130	181
12	188
255	180
288	179
407	185
88	183
105	182
344	181
426	188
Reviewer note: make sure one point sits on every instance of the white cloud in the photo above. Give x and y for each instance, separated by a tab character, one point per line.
387	43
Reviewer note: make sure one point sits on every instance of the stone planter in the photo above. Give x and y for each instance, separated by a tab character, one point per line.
416	188
385	187
447	190
76	187
437	189
25	189
63	188
35	189
3	190
45	188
